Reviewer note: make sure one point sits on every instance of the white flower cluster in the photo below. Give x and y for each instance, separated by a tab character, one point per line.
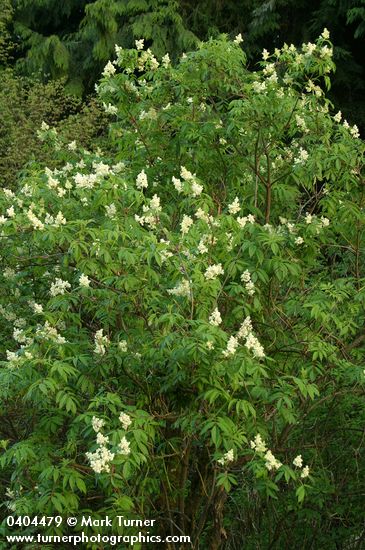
125	420
238	39
109	70
290	226
27	190
298	462
309	49
252	343
311	87
320	224
151	114
8	273
13	359
246	219
270	72
21	338
146	58
271	463
186	223
55	222
101	458
84	280
326	52
194	187
142	181
246	278
200	214
52	182
123	447
213	271
50	333
182	289
151	213
59	287
202	246
36	222
302	156
139	44
166	61
37	308
165	252
232	346
226	458
45	128
258	87
234	207
8	193
259	446
111	211
100	342
337	117
97	424
7	313
354	131
110	109
177	184
215	318
85	181
10	212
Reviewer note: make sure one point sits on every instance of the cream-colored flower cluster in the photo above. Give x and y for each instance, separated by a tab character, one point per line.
188	183
181	289
101	458
246	278
298	462
226	458
151	213
59	287
271	463
101	341
213	271
215	318
251	343
48	332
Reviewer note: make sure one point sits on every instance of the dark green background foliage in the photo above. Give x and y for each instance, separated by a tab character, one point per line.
74	38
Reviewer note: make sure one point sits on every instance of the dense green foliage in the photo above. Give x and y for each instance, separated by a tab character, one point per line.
24	104
203	275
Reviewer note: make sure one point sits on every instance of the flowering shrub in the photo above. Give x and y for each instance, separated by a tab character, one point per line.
175	313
